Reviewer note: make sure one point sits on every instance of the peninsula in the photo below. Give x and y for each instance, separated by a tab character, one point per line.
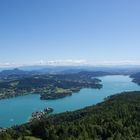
49	86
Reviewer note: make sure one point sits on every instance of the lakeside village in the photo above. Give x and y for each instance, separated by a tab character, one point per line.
39	114
35	116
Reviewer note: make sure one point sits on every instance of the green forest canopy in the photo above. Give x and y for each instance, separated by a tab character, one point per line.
117	118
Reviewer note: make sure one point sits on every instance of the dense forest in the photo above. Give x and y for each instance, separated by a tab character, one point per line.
117	118
136	78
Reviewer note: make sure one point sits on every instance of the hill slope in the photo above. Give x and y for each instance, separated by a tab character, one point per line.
48	86
117	118
136	78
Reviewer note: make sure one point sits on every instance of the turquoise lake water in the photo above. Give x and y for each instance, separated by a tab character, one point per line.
18	110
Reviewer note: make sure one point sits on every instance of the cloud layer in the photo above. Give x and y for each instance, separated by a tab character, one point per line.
68	62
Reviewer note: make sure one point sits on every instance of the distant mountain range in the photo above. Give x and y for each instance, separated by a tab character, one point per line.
75	69
17	72
32	70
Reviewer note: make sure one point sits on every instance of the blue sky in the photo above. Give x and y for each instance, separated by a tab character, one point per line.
91	31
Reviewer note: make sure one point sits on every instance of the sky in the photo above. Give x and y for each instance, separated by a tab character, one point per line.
69	32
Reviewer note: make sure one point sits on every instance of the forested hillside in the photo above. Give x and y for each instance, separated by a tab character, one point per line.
48	86
117	118
136	78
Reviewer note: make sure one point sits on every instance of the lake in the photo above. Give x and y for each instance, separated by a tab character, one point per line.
19	109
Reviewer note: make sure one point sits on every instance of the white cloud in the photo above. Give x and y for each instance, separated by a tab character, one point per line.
63	62
7	64
123	62
74	62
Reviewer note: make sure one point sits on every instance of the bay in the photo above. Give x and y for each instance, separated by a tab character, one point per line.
19	109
